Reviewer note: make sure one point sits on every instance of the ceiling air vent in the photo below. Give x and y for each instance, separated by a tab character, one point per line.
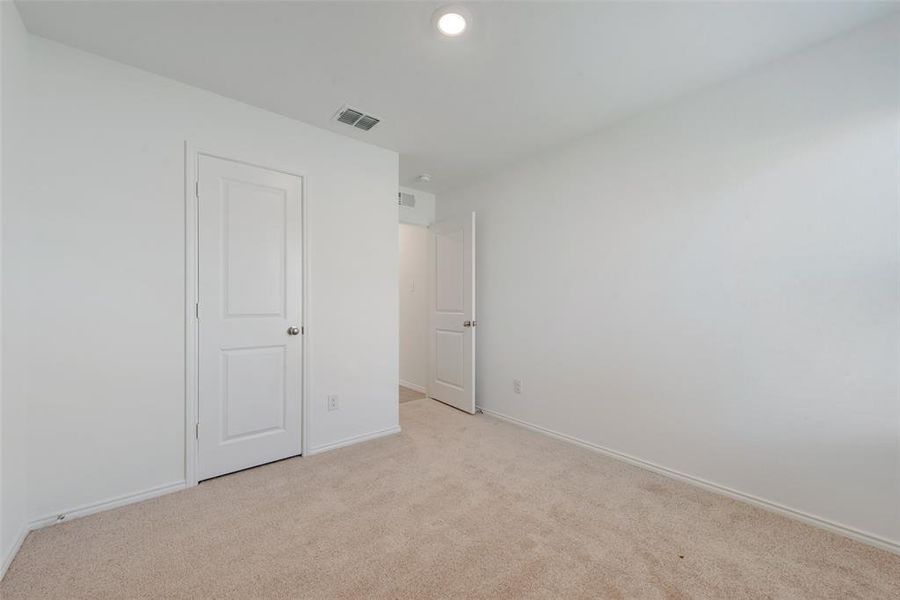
407	200
357	118
367	122
349	116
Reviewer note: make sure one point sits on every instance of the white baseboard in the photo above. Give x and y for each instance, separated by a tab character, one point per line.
799	515
88	509
7	560
116	502
354	440
413	386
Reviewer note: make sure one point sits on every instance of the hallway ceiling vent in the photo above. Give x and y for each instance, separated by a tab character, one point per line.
356	118
407	200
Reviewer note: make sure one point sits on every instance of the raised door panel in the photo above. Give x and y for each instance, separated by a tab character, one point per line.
254	221
253	400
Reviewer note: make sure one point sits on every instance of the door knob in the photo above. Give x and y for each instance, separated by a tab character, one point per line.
293	331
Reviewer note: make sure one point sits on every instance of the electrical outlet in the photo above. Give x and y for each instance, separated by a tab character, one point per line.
333	402
517	386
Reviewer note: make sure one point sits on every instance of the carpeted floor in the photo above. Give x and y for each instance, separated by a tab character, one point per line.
408	395
456	506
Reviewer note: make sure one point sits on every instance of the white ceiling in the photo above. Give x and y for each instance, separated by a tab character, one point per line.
525	77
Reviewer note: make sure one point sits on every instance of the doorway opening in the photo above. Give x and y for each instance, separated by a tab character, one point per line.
414	276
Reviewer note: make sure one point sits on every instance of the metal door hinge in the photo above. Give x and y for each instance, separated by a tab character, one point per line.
197	189
197	310
196	431
302	330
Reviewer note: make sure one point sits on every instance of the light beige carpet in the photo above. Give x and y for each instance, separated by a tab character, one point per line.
457	506
408	395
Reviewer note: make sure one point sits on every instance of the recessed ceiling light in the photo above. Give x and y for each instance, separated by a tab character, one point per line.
451	20
451	23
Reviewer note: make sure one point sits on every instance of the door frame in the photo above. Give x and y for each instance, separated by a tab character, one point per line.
192	153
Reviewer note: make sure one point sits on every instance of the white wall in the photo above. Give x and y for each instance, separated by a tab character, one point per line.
13	509
413	305
423	213
94	273
713	286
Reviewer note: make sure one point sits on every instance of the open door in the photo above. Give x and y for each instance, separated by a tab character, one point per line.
451	300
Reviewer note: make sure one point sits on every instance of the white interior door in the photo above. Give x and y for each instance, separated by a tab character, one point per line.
451	329
250	344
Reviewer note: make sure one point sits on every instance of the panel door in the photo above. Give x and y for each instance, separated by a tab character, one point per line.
250	344
451	368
